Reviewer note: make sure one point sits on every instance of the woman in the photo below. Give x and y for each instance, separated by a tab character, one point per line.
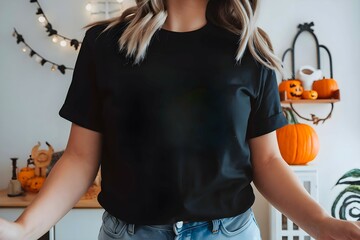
182	119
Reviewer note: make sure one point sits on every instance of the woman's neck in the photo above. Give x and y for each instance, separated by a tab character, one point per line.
185	15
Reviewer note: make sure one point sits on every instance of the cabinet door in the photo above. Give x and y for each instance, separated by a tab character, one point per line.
79	224
10	214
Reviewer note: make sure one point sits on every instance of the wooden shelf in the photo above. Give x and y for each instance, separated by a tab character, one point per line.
307	101
335	98
27	198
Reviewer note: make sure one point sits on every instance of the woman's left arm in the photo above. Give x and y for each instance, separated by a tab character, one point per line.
281	187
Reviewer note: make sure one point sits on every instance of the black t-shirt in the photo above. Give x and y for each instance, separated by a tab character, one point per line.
175	128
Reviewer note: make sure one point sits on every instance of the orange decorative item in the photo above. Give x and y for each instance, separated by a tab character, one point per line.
32	179
94	189
292	88
25	174
41	158
310	94
298	143
325	87
34	184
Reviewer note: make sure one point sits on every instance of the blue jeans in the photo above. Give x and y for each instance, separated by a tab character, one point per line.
240	227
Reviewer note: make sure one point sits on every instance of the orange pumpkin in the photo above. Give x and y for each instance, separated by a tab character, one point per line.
25	174
310	94
325	87
292	88
298	143
34	184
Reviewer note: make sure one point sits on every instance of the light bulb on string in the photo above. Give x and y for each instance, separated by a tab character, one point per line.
24	49
63	43
38	58
53	67
88	7
55	39
42	19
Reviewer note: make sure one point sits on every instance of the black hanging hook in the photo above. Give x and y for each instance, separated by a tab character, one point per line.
307	27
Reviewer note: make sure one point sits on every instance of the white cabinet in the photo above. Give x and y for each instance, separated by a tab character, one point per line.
283	228
10	214
78	224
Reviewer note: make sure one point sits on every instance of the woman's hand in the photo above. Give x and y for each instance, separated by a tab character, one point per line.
335	229
11	230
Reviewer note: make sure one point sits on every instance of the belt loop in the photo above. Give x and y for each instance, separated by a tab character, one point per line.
131	229
216	225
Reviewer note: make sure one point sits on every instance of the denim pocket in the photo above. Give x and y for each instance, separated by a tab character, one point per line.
112	226
242	226
235	225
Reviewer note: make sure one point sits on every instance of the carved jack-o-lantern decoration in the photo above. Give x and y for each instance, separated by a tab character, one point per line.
34	184
25	174
292	88
310	94
41	158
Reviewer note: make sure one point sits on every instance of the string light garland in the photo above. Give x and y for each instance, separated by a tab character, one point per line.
56	37
38	58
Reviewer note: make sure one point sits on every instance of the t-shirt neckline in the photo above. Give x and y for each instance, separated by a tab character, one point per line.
204	27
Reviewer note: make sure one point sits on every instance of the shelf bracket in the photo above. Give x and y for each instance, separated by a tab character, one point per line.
314	118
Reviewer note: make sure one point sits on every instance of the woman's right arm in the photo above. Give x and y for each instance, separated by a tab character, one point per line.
70	178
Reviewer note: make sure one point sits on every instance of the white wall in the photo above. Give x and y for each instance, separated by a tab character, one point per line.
337	26
31	95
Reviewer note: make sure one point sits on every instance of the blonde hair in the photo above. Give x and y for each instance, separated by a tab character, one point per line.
237	16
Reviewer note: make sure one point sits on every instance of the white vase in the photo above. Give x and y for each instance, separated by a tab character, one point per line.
307	75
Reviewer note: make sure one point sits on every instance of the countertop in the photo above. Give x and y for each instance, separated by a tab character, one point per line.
27	198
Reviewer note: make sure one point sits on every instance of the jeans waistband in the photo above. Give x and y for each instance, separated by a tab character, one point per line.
214	224
182	226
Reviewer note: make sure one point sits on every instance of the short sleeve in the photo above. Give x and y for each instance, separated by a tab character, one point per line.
266	113
82	104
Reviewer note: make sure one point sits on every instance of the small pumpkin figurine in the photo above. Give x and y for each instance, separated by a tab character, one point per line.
25	174
298	142
34	184
325	87
292	87
310	94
